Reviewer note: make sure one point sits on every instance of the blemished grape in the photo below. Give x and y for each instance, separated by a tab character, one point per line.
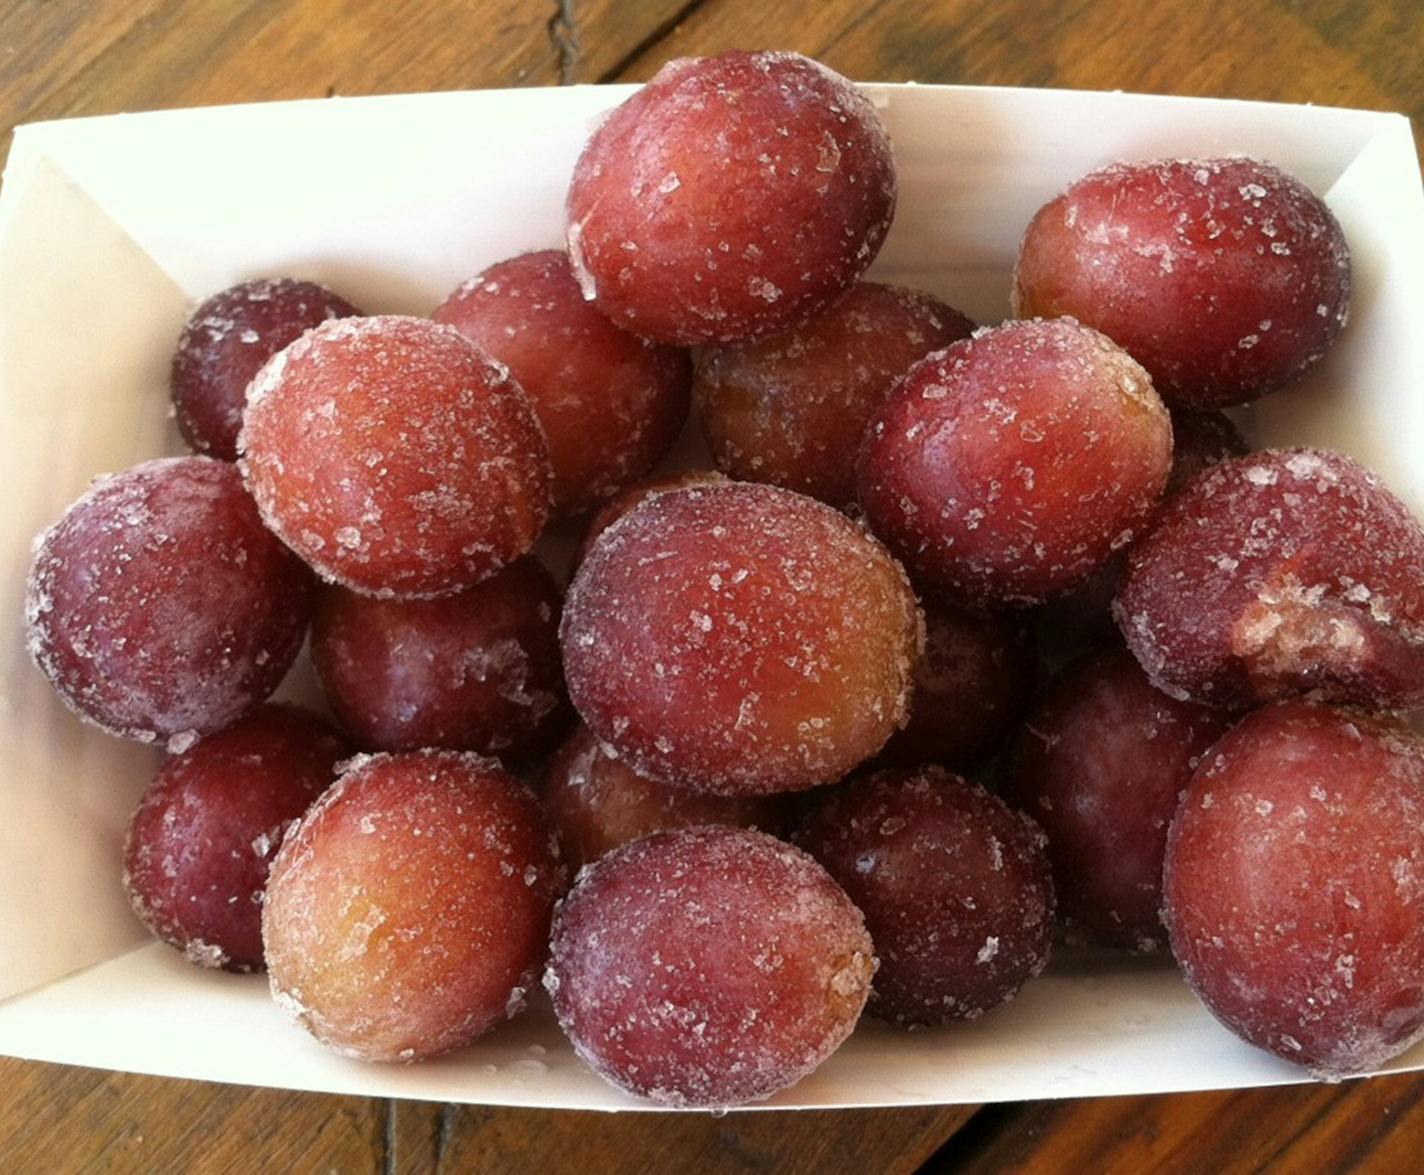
1285	572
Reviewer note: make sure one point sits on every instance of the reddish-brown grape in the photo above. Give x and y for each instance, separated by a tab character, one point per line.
740	639
1295	886
1101	763
707	966
954	885
597	802
1225	278
394	457
609	402
623	501
202	838
729	198
972	685
792	409
224	344
159	607
409	911
475	671
1285	572
1009	467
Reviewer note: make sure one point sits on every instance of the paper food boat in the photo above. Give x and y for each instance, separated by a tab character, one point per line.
111	227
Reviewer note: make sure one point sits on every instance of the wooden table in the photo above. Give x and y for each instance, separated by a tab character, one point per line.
69	57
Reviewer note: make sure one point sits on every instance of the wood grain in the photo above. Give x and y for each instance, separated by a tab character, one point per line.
1374	1125
72	57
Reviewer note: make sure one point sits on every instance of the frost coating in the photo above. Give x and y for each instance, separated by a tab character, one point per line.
954	885
159	607
477	670
1100	764
971	687
1225	278
1010	466
597	802
740	639
224	343
395	457
398	921
1280	573
729	198
200	842
707	967
1295	900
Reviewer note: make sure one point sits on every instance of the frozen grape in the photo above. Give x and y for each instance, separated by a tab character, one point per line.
394	457
159	607
597	802
478	670
1225	278
1284	572
1295	886
609	402
972	685
954	885
740	639
1009	467
224	344
623	501
1101	763
729	198
792	409
707	966
202	838
409	911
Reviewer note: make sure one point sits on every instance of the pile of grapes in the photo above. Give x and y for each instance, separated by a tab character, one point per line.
773	680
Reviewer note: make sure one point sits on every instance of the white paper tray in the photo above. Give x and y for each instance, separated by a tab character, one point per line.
110	227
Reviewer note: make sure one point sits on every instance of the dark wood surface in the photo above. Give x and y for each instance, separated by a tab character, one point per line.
70	57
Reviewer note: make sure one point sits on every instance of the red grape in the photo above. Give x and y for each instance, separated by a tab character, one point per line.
729	198
202	838
1295	886
1225	278
707	966
159	607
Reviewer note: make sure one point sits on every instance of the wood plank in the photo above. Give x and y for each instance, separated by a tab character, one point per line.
1337	51
204	52
892	1142
1311	1130
56	1118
